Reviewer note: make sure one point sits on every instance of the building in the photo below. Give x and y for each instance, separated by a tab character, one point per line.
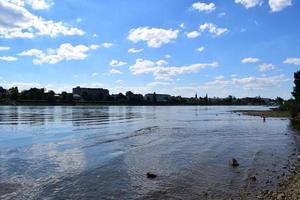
91	93
157	97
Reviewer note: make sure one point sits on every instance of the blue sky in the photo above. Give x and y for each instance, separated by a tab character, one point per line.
237	47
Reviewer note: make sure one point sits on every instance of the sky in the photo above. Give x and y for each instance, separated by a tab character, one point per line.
180	47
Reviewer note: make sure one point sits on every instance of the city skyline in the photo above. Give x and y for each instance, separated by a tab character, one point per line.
241	47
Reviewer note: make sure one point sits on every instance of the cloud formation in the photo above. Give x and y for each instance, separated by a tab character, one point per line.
8	58
293	61
279	5
266	67
203	7
4	48
249	3
193	34
134	50
275	5
35	4
154	37
213	29
117	63
250	60
161	72
64	52
115	71
17	22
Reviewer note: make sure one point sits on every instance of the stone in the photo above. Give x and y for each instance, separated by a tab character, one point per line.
252	178
151	175
233	162
281	196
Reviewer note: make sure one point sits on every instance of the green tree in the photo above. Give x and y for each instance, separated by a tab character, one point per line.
13	93
296	91
51	97
279	101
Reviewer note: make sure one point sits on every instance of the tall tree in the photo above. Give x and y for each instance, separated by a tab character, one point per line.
296	92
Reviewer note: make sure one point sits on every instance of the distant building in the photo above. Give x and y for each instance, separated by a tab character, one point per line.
94	93
158	97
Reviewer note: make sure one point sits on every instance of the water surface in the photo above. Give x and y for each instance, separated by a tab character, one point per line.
105	152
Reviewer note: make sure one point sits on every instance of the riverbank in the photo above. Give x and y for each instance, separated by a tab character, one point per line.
289	189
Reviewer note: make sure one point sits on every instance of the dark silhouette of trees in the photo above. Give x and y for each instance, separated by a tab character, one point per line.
154	98
66	98
279	101
51	97
13	93
296	91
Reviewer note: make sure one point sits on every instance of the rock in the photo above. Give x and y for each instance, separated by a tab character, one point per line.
233	162
281	196
151	175
252	178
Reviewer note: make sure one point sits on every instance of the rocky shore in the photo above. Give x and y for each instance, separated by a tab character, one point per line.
289	189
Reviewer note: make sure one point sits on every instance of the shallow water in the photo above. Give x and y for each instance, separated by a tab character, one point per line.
105	152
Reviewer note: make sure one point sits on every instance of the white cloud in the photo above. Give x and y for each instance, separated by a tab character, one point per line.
168	56
251	82
107	45
4	48
8	58
294	61
35	4
117	63
134	50
40	4
161	63
94	46
212	28
78	20
17	22
155	37
182	25
64	52
266	67
278	5
200	49
165	73
115	71
221	77
95	74
203	7
249	3
250	60
193	34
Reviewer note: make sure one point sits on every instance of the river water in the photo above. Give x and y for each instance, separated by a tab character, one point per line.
105	152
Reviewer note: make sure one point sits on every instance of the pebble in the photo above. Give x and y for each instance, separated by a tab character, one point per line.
151	175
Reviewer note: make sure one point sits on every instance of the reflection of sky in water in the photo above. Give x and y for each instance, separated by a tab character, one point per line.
73	151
